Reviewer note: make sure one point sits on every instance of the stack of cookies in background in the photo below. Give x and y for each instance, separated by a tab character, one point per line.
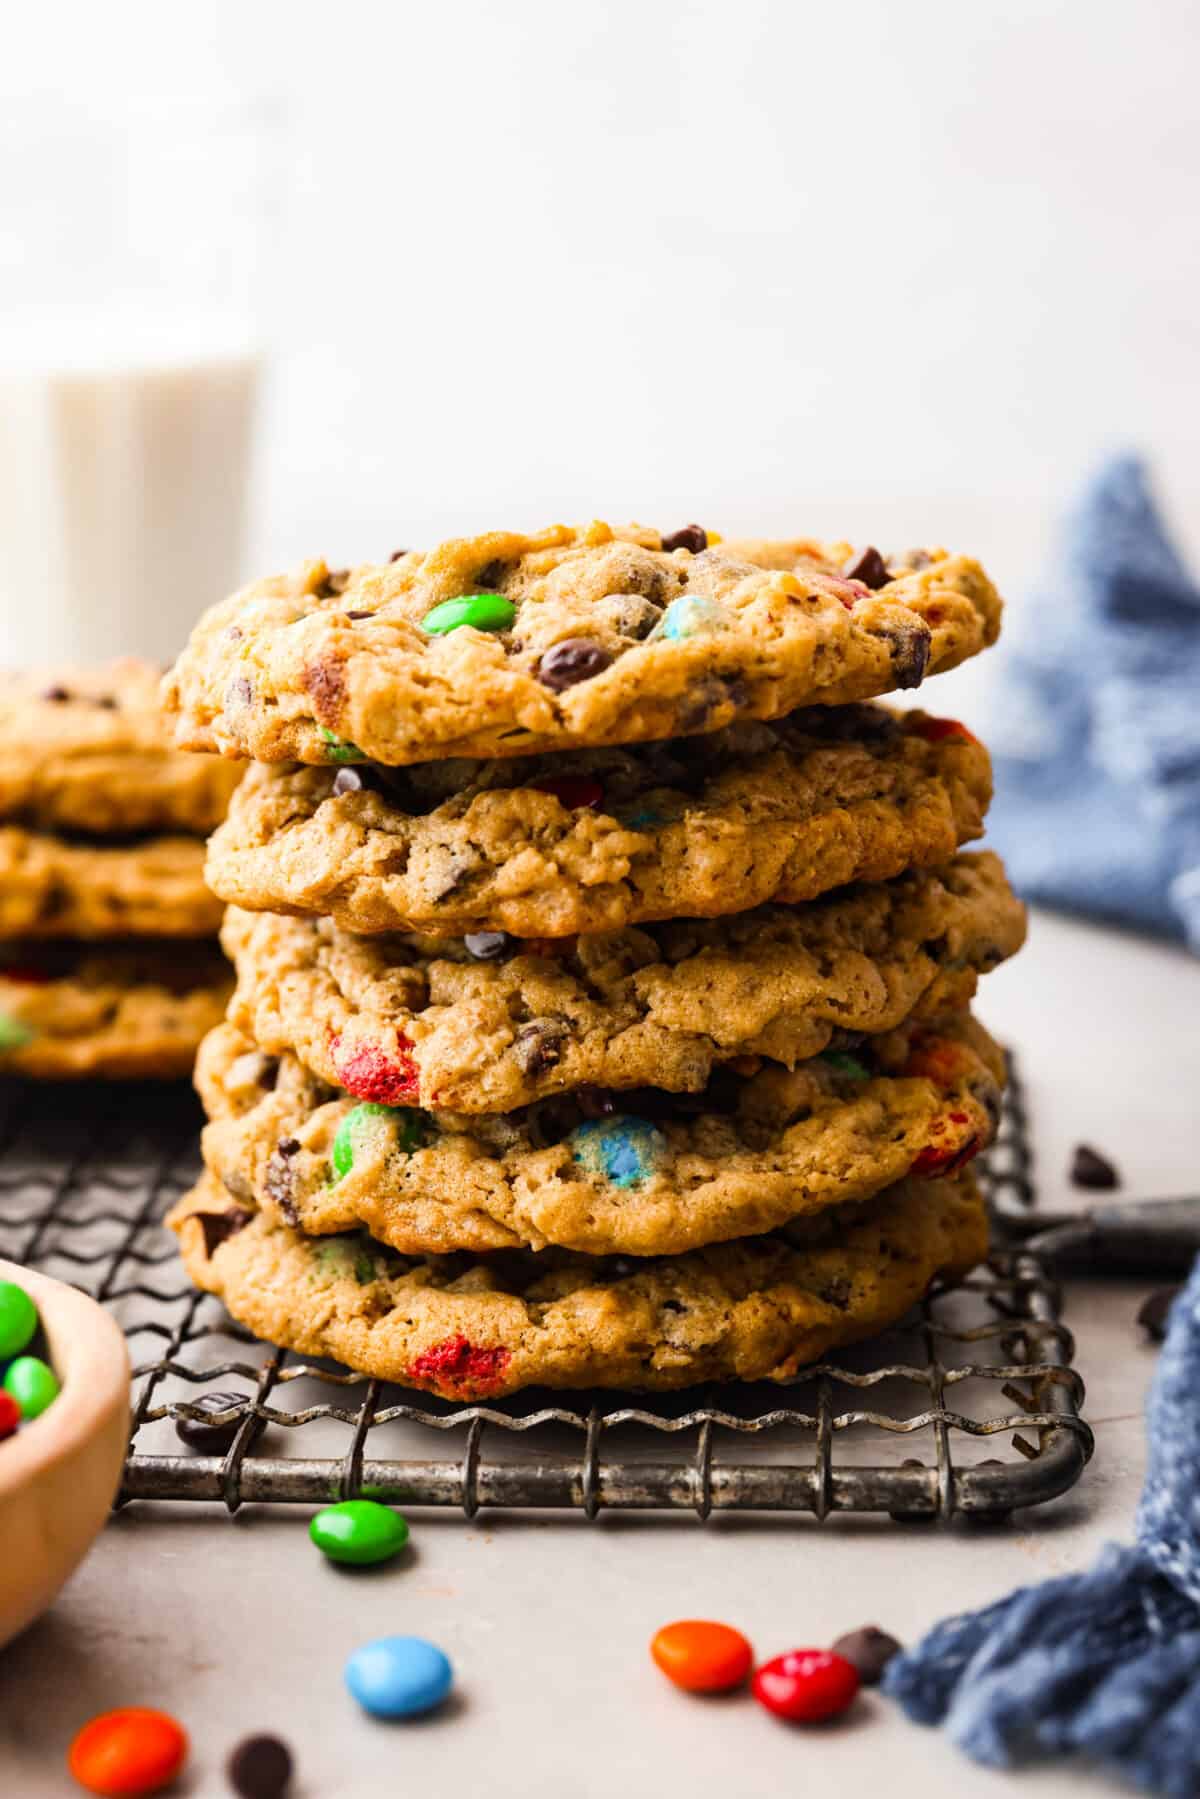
109	964
603	957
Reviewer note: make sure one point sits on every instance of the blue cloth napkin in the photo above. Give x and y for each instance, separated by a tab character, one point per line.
1096	730
1104	1664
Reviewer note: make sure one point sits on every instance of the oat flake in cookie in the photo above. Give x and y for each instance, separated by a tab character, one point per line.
597	839
642	1173
505	645
477	1328
491	1022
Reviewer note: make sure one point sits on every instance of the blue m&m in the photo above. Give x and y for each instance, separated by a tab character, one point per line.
625	1151
399	1677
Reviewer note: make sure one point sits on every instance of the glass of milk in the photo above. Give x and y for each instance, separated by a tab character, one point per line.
133	262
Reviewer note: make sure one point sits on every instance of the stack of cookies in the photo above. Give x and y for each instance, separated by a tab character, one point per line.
603	956
109	964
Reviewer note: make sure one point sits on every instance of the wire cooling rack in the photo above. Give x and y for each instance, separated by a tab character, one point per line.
909	1425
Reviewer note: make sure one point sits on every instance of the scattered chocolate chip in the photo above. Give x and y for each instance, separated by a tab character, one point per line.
56	694
211	1439
454	872
538	1044
260	1768
1154	1310
909	646
288	1146
1090	1169
692	537
396	555
870	1650
238	693
868	567
573	660
218	1227
489	946
360	613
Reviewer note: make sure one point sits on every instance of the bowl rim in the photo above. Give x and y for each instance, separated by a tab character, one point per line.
88	1353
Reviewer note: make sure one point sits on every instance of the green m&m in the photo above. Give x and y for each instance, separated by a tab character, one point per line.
339	749
18	1319
13	1034
482	611
366	1121
841	1063
32	1383
359	1531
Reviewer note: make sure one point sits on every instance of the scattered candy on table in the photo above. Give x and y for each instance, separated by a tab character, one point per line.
359	1532
123	1753
18	1319
399	1677
702	1657
260	1768
32	1383
806	1686
211	1439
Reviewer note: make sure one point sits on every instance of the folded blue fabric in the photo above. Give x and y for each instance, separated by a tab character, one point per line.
1095	734
1104	1664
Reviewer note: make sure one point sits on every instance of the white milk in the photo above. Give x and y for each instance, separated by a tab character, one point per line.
123	476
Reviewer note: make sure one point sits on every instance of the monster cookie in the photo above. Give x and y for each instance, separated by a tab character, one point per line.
476	1329
644	1173
505	645
62	887
85	751
547	846
127	1010
489	1023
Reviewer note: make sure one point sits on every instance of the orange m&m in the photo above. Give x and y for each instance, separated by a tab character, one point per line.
123	1753
702	1657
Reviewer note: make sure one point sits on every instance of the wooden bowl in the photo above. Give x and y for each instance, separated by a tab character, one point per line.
60	1473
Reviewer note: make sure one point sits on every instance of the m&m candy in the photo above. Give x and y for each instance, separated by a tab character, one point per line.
806	1685
399	1677
700	1656
482	611
32	1383
18	1319
359	1531
123	1753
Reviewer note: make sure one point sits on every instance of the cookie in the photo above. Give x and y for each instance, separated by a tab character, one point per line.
63	887
505	645
644	1173
85	750
125	1010
594	841
490	1023
471	1329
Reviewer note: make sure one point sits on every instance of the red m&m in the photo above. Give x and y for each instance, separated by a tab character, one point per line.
806	1685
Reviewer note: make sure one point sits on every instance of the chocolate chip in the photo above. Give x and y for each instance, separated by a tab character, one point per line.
692	537
218	1227
573	660
1090	1169
336	581
909	646
396	555
357	614
538	1044
351	780
279	1182
868	567
211	1439
326	682
633	615
1154	1310
239	693
489	946
107	701
260	1768
56	694
870	1650
254	1069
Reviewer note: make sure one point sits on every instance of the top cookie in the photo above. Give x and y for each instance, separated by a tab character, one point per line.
505	645
84	750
